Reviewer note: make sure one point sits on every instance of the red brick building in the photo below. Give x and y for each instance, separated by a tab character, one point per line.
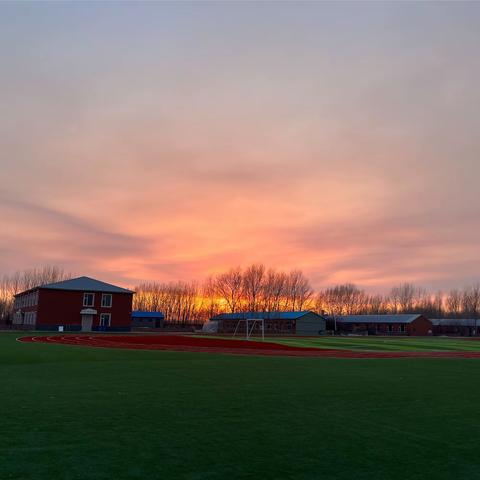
405	324
79	304
464	327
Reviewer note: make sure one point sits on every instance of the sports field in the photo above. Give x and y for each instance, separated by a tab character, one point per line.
387	344
74	412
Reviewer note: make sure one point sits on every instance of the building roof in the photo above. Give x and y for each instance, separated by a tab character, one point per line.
86	284
403	318
264	315
455	322
142	314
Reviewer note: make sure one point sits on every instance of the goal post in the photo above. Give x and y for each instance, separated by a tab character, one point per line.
250	324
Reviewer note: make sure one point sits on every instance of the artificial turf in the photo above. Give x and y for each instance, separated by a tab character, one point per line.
389	344
83	413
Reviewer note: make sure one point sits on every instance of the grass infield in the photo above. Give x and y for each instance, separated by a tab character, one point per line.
387	344
85	413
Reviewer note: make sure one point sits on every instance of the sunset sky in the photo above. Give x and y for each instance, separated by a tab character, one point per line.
167	141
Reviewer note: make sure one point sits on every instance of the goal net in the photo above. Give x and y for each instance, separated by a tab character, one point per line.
249	327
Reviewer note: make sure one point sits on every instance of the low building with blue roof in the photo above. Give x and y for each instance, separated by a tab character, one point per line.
465	327
414	324
143	319
305	322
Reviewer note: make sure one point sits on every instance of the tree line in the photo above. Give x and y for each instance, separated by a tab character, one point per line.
258	288
348	299
254	288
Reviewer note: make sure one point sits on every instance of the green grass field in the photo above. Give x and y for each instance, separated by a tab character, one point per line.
374	343
81	413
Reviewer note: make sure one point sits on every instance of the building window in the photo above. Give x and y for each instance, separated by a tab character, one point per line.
88	299
105	319
402	327
30	318
390	328
106	300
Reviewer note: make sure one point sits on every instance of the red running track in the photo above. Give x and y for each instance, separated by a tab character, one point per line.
184	343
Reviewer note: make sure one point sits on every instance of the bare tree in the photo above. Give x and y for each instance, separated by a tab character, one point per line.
274	290
178	301
345	299
229	286
210	304
299	291
453	303
253	282
376	304
42	276
405	297
438	302
471	301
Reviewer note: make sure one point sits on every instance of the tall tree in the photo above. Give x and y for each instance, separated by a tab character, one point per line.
253	279
346	299
274	290
404	298
471	301
299	292
453	303
230	287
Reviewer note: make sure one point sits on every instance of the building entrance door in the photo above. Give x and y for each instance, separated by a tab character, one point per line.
87	321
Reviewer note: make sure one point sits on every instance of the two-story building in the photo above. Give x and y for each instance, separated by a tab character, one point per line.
80	304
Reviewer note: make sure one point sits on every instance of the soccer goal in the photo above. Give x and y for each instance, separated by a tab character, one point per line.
250	324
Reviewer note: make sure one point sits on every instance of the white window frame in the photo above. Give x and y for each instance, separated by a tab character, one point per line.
30	318
93	299
105	295
103	315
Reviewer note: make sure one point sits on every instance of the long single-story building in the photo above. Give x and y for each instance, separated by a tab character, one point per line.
292	323
465	327
141	319
81	303
404	324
